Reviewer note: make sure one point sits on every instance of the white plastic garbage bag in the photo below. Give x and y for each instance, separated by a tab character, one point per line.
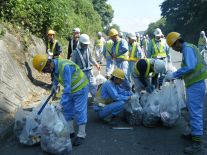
151	110
133	110
169	105
100	79
55	134
26	128
170	67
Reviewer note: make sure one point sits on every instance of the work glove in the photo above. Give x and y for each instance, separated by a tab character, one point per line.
150	88
169	76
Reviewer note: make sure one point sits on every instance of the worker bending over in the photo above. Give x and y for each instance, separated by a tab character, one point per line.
73	102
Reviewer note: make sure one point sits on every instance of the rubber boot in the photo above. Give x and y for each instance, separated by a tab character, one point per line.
80	136
195	146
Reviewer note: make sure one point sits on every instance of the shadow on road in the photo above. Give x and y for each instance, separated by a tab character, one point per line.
34	81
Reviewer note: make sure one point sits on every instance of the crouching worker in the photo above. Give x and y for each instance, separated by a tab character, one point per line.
110	97
73	102
141	74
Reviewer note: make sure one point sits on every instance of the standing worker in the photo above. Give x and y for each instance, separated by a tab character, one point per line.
53	47
135	53
110	97
141	74
158	48
145	42
108	56
73	42
83	58
119	51
202	43
194	71
138	38
73	102
99	44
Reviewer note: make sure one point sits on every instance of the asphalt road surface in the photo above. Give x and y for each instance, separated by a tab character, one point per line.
103	140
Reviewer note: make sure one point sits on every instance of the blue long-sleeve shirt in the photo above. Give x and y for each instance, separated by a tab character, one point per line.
190	60
111	91
67	76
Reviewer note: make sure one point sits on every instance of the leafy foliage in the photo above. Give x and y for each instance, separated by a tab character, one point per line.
63	15
186	17
104	10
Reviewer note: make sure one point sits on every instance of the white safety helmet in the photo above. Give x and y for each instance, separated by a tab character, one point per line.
131	36
159	66
84	39
158	32
202	32
77	30
99	34
137	34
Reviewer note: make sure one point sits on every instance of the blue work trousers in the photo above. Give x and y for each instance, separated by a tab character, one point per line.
195	102
76	107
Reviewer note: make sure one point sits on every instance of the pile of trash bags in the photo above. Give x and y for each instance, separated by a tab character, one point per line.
162	105
50	129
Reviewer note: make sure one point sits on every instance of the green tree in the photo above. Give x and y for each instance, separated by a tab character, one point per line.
104	10
186	17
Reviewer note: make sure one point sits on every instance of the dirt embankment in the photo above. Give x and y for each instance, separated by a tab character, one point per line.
20	84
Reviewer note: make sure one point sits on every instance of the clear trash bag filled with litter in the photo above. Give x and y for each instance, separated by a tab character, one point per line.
133	110
151	110
26	128
100	79
55	134
169	105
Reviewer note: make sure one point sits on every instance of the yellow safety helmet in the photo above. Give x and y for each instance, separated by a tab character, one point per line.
51	32
113	32
172	37
39	61
118	73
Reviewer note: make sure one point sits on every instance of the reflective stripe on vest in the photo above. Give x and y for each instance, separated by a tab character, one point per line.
158	52
108	47
200	71
79	80
99	99
123	56
53	46
132	53
148	68
88	67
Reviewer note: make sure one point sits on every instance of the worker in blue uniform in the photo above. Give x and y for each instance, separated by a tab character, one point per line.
73	102
110	97
119	51
82	56
194	71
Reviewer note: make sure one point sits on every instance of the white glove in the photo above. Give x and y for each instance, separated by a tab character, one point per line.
59	107
169	76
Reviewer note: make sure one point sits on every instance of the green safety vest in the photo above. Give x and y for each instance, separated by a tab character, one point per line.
99	42
79	80
132	53
147	71
99	99
200	71
157	52
108	47
123	56
202	41
53	46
